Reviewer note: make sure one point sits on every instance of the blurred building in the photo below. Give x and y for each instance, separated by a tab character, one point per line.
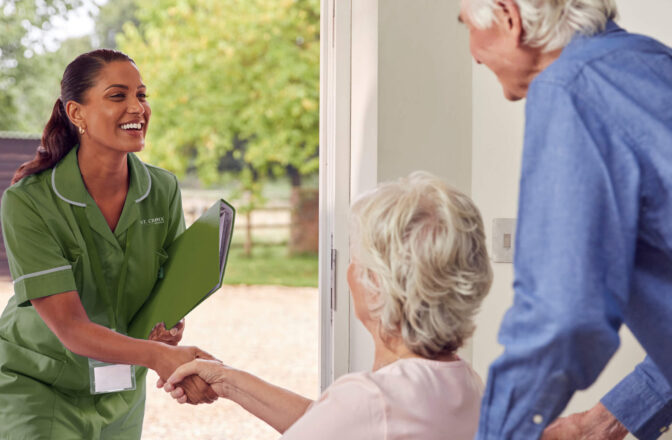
15	149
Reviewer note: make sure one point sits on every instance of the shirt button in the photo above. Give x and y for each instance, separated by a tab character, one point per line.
538	419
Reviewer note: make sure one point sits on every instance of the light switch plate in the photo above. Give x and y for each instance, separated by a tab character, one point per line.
503	239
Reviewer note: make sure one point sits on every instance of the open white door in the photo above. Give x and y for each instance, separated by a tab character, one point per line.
395	97
334	188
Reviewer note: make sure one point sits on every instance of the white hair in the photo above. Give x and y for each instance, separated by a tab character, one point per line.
419	249
549	24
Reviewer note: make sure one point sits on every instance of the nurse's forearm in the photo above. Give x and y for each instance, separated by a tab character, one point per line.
65	316
91	340
276	406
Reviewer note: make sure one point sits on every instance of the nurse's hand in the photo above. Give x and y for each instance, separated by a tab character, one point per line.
171	358
171	337
212	372
197	391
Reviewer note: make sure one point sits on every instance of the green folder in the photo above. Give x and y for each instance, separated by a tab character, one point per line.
193	271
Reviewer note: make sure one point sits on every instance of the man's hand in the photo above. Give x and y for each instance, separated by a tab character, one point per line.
596	424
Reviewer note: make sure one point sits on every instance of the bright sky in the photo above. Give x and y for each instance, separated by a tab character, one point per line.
78	23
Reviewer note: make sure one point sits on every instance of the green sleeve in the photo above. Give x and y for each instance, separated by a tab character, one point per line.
36	261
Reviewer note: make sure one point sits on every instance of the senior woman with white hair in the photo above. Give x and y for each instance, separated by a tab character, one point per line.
594	242
419	272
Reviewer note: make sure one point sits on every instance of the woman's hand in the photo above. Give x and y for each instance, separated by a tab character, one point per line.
212	372
171	337
276	406
195	389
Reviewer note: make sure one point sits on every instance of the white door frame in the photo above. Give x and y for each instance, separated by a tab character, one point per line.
334	303
357	40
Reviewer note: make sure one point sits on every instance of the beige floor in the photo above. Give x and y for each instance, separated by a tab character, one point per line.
269	331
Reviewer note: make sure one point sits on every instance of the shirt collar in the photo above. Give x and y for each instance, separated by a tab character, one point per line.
67	183
580	38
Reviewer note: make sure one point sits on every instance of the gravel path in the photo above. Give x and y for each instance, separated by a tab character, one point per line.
267	330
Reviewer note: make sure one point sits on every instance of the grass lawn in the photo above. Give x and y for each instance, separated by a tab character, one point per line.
270	265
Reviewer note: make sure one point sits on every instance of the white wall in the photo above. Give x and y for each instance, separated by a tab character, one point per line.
411	104
424	98
497	146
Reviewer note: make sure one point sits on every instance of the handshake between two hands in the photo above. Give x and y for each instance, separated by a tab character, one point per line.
190	374
193	376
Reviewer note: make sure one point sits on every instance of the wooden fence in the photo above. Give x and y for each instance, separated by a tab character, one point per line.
269	225
293	222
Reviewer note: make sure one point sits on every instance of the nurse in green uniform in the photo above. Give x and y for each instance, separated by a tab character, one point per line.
86	225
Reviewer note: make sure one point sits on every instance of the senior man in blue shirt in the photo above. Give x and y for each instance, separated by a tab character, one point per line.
594	237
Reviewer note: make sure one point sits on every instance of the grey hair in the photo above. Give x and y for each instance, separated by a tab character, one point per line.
549	24
419	250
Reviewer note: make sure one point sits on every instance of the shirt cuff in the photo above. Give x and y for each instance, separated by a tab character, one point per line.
44	283
638	404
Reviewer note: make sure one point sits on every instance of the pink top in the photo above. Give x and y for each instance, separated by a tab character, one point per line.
408	399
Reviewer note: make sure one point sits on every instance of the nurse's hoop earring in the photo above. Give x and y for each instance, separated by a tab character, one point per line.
81	130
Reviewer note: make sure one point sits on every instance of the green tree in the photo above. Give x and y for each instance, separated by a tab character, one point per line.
110	20
219	71
30	72
223	69
38	84
25	62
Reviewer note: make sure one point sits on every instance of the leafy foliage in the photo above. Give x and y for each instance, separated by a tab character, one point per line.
111	18
230	79
30	69
28	87
21	19
37	86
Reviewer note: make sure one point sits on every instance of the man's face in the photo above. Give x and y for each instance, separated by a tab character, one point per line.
499	49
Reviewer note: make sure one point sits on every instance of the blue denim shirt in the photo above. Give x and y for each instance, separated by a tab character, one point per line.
594	239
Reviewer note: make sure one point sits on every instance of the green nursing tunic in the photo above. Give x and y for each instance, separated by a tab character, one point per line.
44	387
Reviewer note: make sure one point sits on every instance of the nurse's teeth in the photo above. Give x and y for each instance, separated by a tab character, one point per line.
136	126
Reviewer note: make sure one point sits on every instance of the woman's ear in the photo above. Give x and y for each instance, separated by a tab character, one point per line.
75	114
509	20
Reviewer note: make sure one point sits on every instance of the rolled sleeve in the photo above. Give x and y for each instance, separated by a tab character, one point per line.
642	402
574	255
36	261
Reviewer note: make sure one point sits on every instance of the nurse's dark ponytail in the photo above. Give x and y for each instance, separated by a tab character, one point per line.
60	135
58	138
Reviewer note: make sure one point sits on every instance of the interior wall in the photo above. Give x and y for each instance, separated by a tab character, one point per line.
497	148
424	98
411	104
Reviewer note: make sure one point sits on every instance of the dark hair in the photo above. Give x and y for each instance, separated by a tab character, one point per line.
60	135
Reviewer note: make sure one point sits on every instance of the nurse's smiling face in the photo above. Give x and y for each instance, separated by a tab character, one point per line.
115	112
